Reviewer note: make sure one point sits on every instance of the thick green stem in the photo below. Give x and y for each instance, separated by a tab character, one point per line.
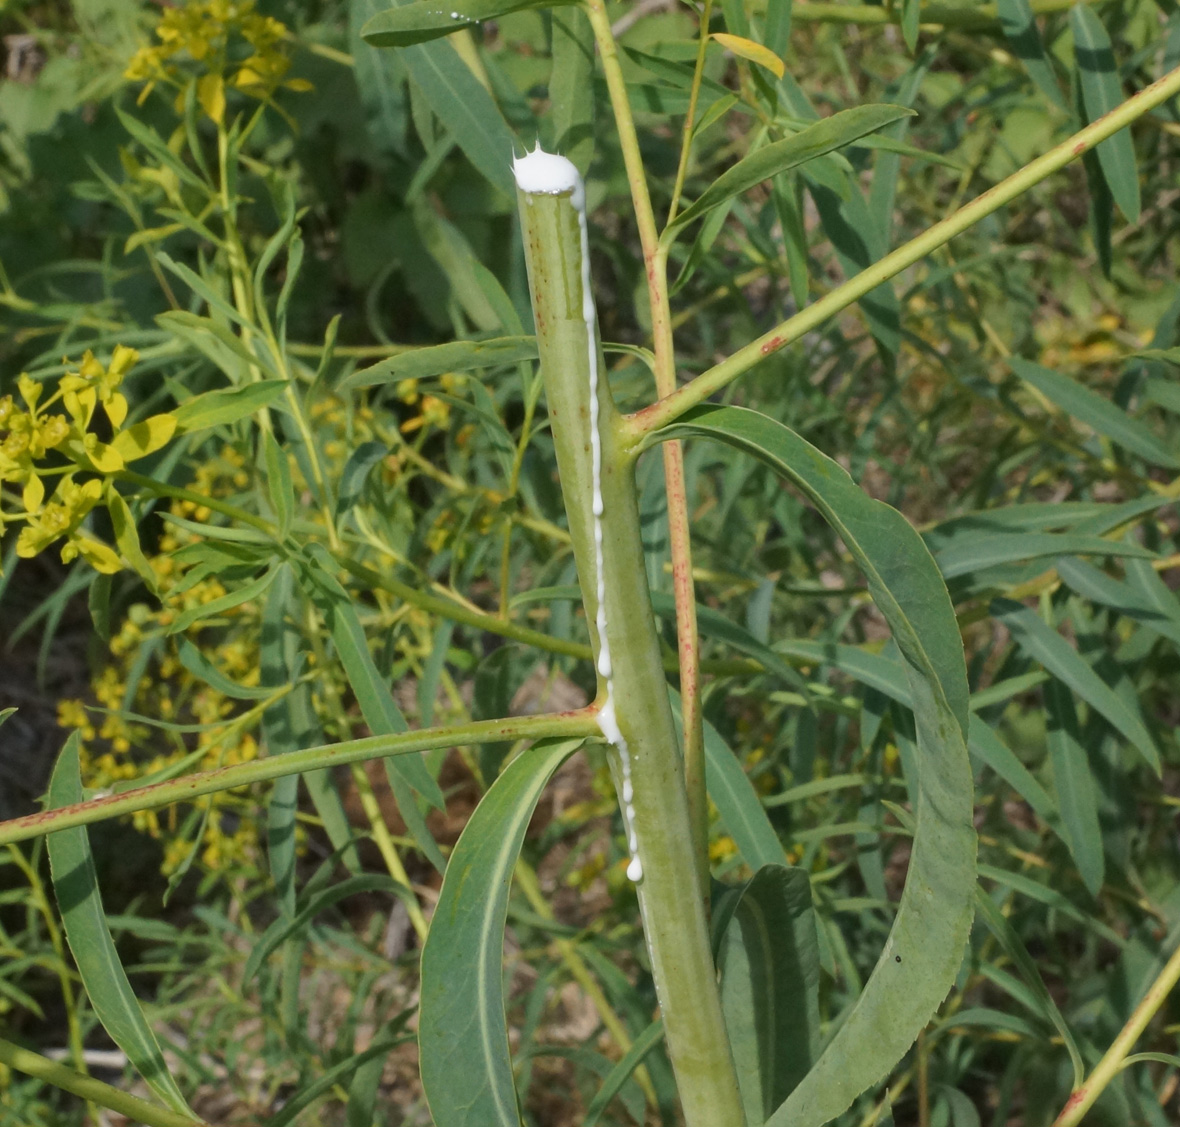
673	915
560	724
708	383
61	1076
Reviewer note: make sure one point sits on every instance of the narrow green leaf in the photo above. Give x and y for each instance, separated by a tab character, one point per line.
571	86
911	11
1077	798
621	1073
228	601
286	926
1020	29
769	964
998	925
226	405
381	81
978	552
466	1061
1045	645
467	110
455	356
824	136
989	749
278	482
1135	600
426	20
291	725
1097	412
355	474
742	813
75	883
924	949
127	535
204	670
378	707
777	35
1102	91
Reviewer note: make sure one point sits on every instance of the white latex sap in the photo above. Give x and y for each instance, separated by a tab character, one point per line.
541	173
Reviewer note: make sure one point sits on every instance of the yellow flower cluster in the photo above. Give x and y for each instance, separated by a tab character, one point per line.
39	443
232	45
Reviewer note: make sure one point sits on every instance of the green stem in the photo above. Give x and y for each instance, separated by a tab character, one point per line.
673	914
672	406
580	722
104	1095
1109	1066
655	258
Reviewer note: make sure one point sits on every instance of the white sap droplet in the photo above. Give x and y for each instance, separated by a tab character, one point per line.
635	870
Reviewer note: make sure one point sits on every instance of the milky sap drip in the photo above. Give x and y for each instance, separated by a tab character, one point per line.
541	173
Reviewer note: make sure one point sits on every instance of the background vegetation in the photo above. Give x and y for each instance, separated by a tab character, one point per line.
252	201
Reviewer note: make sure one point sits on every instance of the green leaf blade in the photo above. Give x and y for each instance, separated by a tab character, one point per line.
466	1060
75	884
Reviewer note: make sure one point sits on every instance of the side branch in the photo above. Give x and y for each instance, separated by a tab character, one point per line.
580	722
671	407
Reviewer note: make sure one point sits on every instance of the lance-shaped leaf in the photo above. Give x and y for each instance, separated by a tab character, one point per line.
1040	641
462	1031
769	963
925	946
226	405
456	356
1097	412
75	884
425	20
1102	91
831	133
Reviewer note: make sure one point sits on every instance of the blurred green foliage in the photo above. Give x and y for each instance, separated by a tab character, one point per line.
1015	397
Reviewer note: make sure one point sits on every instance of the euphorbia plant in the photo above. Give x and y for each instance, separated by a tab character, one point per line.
745	1044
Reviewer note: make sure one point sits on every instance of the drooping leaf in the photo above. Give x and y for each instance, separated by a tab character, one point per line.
815	140
1102	92
925	946
75	883
1076	795
466	1061
1041	642
1097	412
1134	599
1020	29
769	964
456	356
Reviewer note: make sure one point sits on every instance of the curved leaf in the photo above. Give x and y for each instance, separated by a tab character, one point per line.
925	947
75	884
831	133
462	1035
